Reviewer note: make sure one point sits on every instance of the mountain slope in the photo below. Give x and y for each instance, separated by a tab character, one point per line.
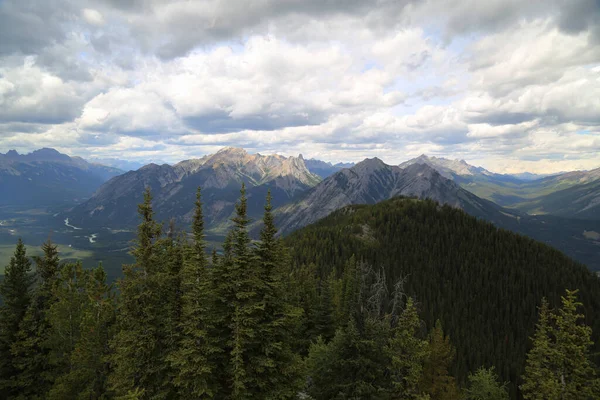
174	188
47	177
483	283
579	201
372	181
505	190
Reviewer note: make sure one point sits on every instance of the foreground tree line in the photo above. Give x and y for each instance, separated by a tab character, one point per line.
235	326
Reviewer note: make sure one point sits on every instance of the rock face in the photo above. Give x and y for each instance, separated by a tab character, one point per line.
372	181
174	187
47	177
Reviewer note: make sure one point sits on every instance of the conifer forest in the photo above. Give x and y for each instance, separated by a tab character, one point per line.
405	299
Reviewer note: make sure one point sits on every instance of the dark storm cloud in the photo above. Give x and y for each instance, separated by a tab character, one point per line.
580	15
28	26
223	123
501	118
171	29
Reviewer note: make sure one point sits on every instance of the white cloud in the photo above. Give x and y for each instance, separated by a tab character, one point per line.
341	80
93	17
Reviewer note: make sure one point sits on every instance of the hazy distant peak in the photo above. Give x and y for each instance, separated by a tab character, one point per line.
447	167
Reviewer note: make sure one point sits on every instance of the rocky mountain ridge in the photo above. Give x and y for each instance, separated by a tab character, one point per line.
220	175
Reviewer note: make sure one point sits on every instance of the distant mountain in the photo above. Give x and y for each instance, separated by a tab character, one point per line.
580	201
372	181
48	177
528	176
505	190
124	165
325	169
448	168
173	187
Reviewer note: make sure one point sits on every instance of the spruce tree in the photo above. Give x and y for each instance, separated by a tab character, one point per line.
192	361
15	291
219	316
275	368
408	353
141	346
484	385
247	306
577	375
353	365
537	380
88	367
558	365
30	351
324	316
64	316
436	380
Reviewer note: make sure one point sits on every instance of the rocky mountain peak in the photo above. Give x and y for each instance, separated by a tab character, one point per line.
234	151
369	165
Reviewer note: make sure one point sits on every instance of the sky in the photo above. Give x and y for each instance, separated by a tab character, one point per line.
509	85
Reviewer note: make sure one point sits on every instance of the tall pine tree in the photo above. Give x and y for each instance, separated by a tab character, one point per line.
275	368
15	291
192	361
30	351
436	380
558	365
141	346
88	364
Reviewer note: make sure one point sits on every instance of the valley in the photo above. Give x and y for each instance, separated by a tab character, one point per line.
100	229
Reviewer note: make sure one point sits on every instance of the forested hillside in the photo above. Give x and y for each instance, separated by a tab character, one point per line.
406	299
483	283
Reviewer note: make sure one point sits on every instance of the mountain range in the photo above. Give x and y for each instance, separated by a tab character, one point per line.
372	181
561	210
47	177
536	196
174	188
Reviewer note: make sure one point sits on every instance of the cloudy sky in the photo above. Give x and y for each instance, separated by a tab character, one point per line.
511	85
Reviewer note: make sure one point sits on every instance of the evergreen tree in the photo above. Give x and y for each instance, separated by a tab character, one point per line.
538	382
88	362
192	360
353	365
15	291
484	385
324	315
578	376
219	317
141	346
558	365
275	368
436	380
407	353
246	310
30	351
64	316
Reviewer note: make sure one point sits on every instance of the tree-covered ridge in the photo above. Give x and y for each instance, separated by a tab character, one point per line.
257	321
483	283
